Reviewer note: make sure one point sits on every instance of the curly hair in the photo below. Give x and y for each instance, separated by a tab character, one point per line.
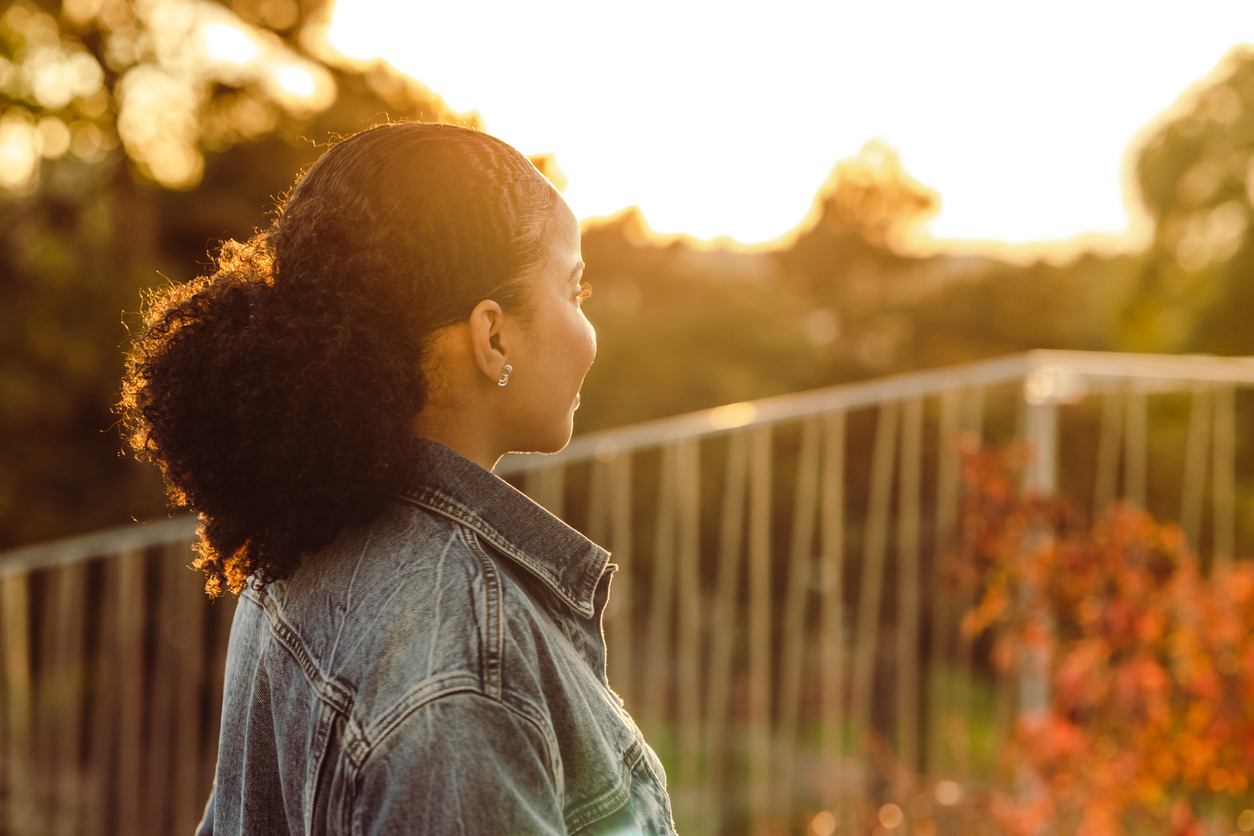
277	394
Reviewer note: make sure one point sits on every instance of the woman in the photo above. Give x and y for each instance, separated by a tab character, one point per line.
417	647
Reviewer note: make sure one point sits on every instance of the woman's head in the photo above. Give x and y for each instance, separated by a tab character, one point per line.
451	215
279	394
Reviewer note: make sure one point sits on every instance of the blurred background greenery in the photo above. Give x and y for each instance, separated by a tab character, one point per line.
128	148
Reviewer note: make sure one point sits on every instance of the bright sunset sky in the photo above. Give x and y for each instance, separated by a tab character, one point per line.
724	118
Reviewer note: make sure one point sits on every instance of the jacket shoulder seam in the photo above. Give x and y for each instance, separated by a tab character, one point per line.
329	691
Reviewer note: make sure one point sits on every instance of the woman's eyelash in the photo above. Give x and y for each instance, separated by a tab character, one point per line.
585	290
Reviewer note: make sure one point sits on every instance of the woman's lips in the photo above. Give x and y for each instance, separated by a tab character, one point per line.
576	400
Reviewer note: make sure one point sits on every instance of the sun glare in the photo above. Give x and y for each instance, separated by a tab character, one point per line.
230	44
723	120
296	80
19	154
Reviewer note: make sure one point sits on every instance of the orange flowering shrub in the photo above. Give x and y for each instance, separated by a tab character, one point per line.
1148	665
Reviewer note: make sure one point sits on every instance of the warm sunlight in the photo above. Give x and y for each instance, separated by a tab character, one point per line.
724	119
296	80
224	42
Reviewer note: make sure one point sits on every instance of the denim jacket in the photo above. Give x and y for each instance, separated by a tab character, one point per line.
440	670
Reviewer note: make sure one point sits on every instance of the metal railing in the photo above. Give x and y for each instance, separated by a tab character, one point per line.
777	624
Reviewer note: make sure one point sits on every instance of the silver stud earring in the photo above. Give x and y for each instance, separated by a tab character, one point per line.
504	378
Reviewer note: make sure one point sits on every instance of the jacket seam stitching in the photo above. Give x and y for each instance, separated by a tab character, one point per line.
328	691
313	780
666	796
609	801
494	630
355	745
418	696
531	721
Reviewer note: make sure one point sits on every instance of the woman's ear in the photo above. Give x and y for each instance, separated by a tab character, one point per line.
486	322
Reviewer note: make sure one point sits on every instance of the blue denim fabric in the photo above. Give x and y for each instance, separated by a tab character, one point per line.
440	670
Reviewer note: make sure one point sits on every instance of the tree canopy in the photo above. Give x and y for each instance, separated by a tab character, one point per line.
126	152
136	134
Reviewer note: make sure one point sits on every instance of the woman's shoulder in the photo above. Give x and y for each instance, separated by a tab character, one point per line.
418	603
379	594
369	559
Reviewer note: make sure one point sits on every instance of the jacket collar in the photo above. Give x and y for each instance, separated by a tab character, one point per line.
563	559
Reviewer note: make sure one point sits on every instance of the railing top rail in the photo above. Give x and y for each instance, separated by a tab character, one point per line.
108	542
1092	369
1098	368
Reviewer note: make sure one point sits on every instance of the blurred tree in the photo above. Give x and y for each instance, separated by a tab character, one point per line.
133	134
871	197
1196	178
900	310
706	326
683	327
999	308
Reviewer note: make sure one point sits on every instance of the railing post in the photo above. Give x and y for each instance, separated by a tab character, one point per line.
1193	486
547	487
972	427
907	633
1041	433
872	572
131	704
1224	503
24	813
102	741
599	503
792	645
1041	479
760	630
1106	476
947	494
688	644
1135	450
656	679
189	795
221	618
725	621
619	630
61	694
161	693
832	611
